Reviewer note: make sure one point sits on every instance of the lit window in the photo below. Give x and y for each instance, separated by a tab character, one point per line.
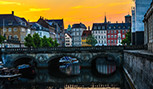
115	36
111	41
10	29
123	36
119	31
15	29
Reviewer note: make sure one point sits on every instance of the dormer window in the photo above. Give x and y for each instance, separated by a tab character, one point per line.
119	27
95	27
103	27
10	23
109	27
98	27
114	27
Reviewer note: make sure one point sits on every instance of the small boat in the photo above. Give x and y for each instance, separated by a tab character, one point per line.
23	66
9	74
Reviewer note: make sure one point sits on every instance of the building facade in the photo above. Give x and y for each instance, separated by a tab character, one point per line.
85	34
111	34
68	40
76	33
99	31
116	33
59	30
141	6
14	29
148	28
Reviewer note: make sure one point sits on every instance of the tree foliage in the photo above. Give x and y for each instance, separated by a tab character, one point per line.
2	38
28	41
91	40
37	42
127	40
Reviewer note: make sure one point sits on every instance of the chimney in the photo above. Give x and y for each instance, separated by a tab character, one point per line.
89	28
12	12
116	21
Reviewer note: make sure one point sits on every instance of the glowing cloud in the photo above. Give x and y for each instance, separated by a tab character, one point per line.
9	3
39	9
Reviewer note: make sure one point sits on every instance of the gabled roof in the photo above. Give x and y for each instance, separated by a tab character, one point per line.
80	25
86	33
11	20
38	27
128	15
59	21
68	35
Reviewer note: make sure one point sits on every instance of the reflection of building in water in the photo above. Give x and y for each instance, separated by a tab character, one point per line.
106	69
73	69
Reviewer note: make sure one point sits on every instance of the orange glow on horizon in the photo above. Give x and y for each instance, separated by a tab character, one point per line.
72	11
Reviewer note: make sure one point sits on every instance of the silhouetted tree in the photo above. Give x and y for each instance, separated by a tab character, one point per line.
91	40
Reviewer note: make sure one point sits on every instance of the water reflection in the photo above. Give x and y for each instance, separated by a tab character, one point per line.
69	66
105	67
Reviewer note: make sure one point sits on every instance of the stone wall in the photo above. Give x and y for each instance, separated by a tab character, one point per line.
139	66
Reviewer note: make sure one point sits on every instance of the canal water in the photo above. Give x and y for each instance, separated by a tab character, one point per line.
72	76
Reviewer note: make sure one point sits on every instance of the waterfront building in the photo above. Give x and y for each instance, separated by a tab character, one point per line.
42	31
148	28
111	34
68	40
85	34
141	6
99	31
14	29
76	33
59	30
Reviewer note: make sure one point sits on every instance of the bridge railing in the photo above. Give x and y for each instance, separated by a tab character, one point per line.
71	49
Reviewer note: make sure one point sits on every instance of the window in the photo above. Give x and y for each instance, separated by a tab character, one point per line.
103	27
119	31
119	27
108	31
77	33
98	27
115	41
95	27
122	31
15	36
99	37
40	33
112	32
115	36
111	41
108	36
15	29
105	36
102	37
102	32
111	36
108	41
23	29
4	29
10	29
115	31
109	27
114	27
10	37
123	36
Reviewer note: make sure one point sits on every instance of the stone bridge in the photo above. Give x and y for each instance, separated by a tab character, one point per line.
85	55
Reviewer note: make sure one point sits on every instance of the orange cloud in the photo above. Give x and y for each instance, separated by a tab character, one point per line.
39	9
9	3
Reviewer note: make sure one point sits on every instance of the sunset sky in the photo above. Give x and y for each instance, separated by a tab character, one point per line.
72	11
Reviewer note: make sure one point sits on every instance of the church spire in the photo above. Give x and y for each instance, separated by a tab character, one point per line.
105	19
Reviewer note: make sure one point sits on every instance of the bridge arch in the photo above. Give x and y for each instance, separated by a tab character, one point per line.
24	59
62	55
